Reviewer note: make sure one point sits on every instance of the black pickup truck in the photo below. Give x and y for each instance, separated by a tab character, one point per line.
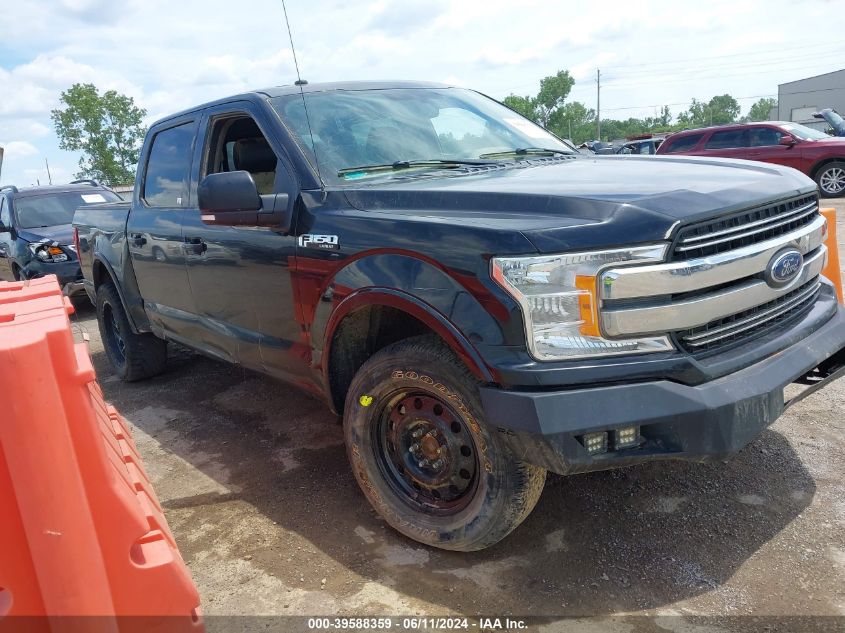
481	303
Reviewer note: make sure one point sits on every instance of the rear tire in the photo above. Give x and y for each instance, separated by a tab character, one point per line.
424	457
831	180
133	356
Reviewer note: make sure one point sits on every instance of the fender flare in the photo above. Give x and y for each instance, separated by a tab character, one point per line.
112	276
415	307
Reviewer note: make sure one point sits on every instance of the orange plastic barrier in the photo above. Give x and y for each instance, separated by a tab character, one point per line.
82	533
833	271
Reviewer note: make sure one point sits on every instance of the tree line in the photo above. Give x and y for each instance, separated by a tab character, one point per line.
575	121
107	129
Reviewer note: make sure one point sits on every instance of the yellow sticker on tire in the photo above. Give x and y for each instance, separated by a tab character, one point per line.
365	401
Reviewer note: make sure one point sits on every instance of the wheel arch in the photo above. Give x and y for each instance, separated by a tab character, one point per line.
103	272
817	167
372	318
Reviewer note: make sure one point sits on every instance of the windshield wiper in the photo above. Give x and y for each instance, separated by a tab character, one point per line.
528	151
442	163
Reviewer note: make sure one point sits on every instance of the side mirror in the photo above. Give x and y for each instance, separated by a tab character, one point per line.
231	199
229	194
788	140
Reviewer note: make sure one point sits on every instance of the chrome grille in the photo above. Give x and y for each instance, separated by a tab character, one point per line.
745	228
723	298
748	324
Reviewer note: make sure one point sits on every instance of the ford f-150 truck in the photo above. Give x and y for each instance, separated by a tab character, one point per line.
481	303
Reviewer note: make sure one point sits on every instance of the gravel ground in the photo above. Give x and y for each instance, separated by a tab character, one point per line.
255	481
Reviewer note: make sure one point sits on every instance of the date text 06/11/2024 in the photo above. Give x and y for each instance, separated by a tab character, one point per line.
500	625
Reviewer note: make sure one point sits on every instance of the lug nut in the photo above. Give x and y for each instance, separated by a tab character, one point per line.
418	433
414	449
437	465
423	463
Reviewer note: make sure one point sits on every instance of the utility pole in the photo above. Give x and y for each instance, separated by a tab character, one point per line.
598	104
49	177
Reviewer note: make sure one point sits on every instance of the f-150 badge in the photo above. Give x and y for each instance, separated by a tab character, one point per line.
324	242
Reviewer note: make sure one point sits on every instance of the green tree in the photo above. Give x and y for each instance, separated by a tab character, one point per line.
719	110
573	121
760	110
523	105
105	128
723	109
546	105
552	95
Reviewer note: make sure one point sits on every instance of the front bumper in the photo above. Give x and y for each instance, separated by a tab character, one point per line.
68	273
677	421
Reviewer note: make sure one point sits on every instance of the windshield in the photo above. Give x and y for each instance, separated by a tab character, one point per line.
53	209
803	132
359	128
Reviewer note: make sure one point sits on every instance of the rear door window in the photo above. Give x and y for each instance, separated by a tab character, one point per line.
727	139
684	143
169	166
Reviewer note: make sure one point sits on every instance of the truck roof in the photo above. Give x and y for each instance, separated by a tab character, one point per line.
292	89
37	190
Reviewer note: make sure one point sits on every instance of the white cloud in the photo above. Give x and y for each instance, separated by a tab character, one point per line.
16	149
171	55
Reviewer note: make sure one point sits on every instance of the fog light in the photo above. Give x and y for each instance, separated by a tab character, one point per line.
626	437
595	443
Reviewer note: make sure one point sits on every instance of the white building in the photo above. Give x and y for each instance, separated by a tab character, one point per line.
797	100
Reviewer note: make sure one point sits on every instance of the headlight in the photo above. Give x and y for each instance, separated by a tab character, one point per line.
557	294
47	252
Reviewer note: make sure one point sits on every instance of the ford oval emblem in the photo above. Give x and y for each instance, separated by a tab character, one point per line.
784	267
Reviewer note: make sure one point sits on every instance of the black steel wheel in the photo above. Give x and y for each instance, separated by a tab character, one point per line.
423	456
426	452
133	355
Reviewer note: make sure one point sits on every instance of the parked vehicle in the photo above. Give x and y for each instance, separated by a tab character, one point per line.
480	303
820	156
643	146
597	147
833	119
35	230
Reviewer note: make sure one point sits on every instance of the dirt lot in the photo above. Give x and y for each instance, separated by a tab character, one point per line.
270	521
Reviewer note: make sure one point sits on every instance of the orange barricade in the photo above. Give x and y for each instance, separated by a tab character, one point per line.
833	271
82	533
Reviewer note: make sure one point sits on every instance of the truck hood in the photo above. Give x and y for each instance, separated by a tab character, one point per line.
61	233
585	201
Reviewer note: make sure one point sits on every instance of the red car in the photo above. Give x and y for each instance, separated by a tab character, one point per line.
818	155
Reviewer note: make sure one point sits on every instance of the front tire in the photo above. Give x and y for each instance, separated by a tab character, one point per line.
133	356
424	457
831	180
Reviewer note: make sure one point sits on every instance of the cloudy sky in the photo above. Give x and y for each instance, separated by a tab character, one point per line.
170	54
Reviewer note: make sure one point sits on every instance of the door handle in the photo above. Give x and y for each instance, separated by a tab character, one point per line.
195	245
137	239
